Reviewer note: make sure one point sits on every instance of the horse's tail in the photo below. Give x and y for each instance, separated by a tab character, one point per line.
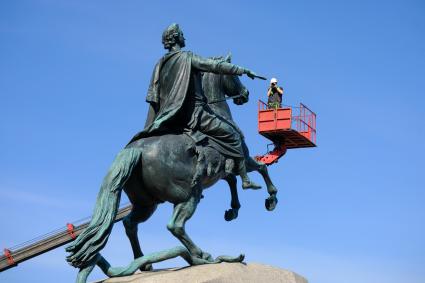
94	237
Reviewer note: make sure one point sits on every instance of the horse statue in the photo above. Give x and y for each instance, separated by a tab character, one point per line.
173	168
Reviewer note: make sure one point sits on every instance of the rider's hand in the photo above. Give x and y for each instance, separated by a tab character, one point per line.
250	74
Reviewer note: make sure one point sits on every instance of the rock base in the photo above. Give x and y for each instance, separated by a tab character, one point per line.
214	273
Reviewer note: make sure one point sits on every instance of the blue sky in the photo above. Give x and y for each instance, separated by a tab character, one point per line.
73	80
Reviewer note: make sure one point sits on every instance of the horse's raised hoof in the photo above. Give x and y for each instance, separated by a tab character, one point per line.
230	214
271	203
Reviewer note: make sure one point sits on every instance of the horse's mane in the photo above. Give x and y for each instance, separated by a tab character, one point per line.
227	58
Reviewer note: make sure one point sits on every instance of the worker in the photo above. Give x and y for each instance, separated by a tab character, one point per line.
274	94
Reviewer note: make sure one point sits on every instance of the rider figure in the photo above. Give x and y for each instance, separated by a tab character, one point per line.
177	100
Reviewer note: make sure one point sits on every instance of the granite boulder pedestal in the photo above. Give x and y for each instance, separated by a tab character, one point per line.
214	273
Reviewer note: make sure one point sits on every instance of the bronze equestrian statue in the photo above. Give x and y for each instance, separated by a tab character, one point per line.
185	148
178	101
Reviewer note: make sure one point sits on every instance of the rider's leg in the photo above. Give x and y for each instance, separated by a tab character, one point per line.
229	138
254	165
246	182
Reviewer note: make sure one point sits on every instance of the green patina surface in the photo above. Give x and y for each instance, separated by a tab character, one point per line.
186	146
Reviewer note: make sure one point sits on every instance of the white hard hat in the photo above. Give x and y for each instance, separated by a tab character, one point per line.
273	80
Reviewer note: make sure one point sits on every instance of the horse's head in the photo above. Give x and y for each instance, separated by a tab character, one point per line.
232	86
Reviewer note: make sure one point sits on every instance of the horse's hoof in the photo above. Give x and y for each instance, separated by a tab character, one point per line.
147	267
230	214
271	203
207	256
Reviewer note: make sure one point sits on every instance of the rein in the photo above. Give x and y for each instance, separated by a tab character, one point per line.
226	98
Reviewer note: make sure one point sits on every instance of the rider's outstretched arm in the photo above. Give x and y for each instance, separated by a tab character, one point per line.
217	66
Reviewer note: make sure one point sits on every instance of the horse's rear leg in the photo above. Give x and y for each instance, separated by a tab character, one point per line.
183	212
137	215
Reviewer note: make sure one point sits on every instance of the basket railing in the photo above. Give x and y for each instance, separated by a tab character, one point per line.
304	122
262	105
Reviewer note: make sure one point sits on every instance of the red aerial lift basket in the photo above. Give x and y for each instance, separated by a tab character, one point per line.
282	127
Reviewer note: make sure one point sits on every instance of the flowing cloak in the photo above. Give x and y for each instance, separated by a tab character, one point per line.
172	110
167	93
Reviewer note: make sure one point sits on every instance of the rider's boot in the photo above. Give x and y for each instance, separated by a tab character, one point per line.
246	182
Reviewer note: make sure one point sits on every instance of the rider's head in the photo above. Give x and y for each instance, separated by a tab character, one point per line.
173	36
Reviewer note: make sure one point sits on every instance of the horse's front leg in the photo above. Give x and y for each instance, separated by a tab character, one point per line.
183	212
232	213
253	165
